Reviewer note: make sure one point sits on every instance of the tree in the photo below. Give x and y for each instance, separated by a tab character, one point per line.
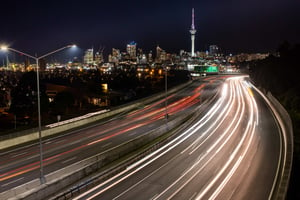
24	96
63	101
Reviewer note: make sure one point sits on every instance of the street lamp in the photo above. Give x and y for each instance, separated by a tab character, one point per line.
166	96
5	48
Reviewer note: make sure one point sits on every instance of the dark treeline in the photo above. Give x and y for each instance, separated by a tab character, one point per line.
280	75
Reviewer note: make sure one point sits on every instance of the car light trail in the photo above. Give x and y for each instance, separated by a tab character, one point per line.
156	154
148	107
283	135
208	165
219	143
253	115
207	152
230	160
157	114
227	108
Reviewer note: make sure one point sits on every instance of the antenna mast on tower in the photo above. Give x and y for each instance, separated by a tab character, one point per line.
193	32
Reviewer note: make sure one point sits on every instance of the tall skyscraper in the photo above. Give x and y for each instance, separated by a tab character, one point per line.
115	57
131	50
150	57
88	56
99	58
160	55
193	32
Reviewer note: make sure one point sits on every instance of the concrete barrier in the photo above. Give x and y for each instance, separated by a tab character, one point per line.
19	138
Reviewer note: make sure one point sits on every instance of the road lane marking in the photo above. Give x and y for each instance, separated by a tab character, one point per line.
11	182
106	145
68	160
151	125
49	142
59	141
153	197
193	196
19	154
133	133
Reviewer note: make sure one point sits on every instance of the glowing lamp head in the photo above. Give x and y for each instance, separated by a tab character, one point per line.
4	48
72	45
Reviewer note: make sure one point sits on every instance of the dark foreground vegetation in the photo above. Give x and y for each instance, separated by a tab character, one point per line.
280	75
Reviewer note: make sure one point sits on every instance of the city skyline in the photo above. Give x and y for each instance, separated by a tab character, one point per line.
236	27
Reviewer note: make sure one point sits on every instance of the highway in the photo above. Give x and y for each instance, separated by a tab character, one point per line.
232	151
22	164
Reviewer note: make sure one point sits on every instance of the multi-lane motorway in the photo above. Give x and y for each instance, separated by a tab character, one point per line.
22	165
231	151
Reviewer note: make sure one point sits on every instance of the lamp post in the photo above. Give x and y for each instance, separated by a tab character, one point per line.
166	96
5	48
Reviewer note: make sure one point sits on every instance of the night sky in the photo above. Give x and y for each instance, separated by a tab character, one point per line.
235	26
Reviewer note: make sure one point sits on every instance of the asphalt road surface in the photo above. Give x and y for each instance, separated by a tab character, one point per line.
230	152
22	165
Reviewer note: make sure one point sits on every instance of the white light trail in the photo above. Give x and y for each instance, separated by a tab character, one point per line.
253	115
225	89
283	135
171	145
221	109
213	125
211	157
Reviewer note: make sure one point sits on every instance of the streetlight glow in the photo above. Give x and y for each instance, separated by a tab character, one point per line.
6	48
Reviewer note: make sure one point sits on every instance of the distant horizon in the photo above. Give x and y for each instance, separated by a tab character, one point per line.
107	49
67	55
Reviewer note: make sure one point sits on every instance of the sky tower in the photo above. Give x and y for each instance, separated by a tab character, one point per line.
193	32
